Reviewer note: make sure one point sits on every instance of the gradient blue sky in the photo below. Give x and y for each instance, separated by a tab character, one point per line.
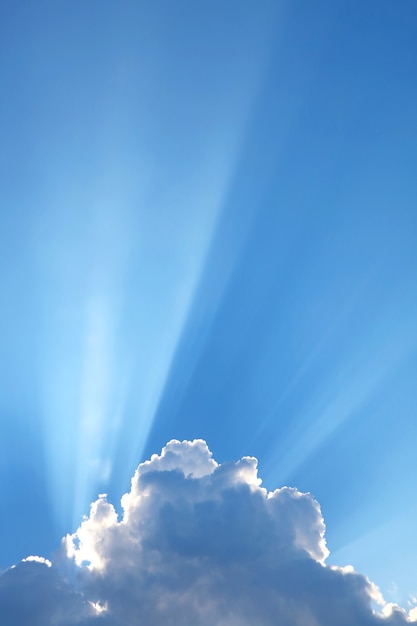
208	228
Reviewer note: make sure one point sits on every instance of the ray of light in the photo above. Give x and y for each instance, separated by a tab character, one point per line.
376	554
356	375
122	264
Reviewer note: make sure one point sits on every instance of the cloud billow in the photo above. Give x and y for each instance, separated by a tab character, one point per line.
201	544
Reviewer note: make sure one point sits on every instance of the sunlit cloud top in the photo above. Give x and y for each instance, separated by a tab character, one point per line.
197	542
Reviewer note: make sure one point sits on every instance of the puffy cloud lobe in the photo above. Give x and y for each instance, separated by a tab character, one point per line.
33	593
204	544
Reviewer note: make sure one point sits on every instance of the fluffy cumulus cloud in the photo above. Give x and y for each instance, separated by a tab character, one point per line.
198	544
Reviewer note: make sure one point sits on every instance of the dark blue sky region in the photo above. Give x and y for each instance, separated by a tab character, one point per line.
208	229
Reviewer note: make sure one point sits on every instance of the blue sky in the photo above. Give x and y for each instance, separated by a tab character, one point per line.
208	229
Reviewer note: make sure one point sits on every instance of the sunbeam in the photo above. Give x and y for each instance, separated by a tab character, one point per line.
122	278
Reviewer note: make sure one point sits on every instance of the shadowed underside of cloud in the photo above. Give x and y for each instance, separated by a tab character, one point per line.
198	544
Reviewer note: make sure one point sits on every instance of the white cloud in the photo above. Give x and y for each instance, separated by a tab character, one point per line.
205	544
37	559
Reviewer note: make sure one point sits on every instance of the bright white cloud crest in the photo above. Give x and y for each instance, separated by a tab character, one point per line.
204	544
